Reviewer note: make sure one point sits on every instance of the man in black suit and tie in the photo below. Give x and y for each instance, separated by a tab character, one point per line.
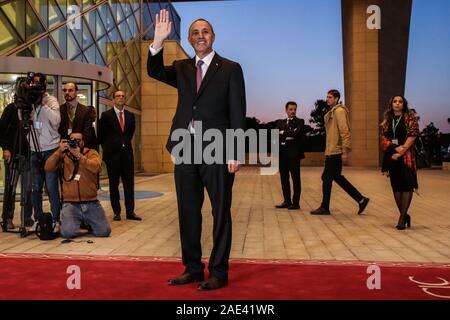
291	154
115	132
211	90
75	117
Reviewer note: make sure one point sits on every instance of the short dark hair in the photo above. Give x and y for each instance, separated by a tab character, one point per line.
75	85
114	94
77	132
41	76
290	103
335	93
200	19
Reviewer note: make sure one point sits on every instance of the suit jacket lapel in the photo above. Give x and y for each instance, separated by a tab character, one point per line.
115	120
215	65
64	112
127	120
77	113
193	76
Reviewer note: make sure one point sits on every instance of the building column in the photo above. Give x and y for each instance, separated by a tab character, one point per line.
374	69
159	103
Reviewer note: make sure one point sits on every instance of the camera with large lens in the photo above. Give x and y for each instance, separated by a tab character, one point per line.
73	143
29	92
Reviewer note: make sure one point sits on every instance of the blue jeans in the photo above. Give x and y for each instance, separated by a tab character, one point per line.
92	213
52	182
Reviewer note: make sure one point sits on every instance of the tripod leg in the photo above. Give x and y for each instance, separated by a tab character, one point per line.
9	199
22	199
6	199
25	199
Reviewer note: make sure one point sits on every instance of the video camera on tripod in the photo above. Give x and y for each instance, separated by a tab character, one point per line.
29	92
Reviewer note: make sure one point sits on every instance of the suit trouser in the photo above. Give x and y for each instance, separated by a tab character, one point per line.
121	168
290	166
190	181
332	172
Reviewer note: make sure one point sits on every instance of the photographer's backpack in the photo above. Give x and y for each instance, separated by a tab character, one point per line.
44	229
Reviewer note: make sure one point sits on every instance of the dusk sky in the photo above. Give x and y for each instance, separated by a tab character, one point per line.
292	50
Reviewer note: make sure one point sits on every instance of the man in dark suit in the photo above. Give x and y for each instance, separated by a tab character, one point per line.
291	154
75	117
93	117
211	90
115	132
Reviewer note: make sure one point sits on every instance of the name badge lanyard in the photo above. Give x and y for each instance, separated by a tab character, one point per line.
395	124
38	123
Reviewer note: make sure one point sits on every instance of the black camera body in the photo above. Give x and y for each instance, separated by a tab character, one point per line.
30	92
73	143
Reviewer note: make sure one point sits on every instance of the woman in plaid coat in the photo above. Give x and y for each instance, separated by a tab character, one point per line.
399	132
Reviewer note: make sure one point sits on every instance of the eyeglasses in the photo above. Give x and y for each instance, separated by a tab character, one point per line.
119	95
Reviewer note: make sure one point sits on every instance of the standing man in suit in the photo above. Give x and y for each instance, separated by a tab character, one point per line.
75	117
211	90
93	135
291	153
115	132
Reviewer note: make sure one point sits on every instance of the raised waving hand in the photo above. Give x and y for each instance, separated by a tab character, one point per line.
163	28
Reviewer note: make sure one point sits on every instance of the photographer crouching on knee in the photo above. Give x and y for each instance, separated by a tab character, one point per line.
78	169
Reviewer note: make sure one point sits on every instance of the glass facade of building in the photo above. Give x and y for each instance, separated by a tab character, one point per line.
99	32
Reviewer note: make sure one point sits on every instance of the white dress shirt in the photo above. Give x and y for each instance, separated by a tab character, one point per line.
206	63
117	111
206	60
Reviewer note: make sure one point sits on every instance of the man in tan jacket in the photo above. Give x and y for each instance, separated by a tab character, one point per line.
79	187
338	146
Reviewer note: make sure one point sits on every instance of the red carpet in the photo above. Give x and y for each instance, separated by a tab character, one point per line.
45	277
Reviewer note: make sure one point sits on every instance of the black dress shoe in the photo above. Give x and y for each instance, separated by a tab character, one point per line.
294	207
117	217
133	216
408	221
186	278
404	222
212	283
321	211
284	205
363	204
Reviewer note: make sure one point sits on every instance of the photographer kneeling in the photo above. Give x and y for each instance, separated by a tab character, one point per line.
79	167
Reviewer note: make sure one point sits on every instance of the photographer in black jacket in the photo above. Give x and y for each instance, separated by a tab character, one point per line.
15	145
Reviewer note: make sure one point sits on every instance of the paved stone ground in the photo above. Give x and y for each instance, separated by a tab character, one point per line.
263	232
